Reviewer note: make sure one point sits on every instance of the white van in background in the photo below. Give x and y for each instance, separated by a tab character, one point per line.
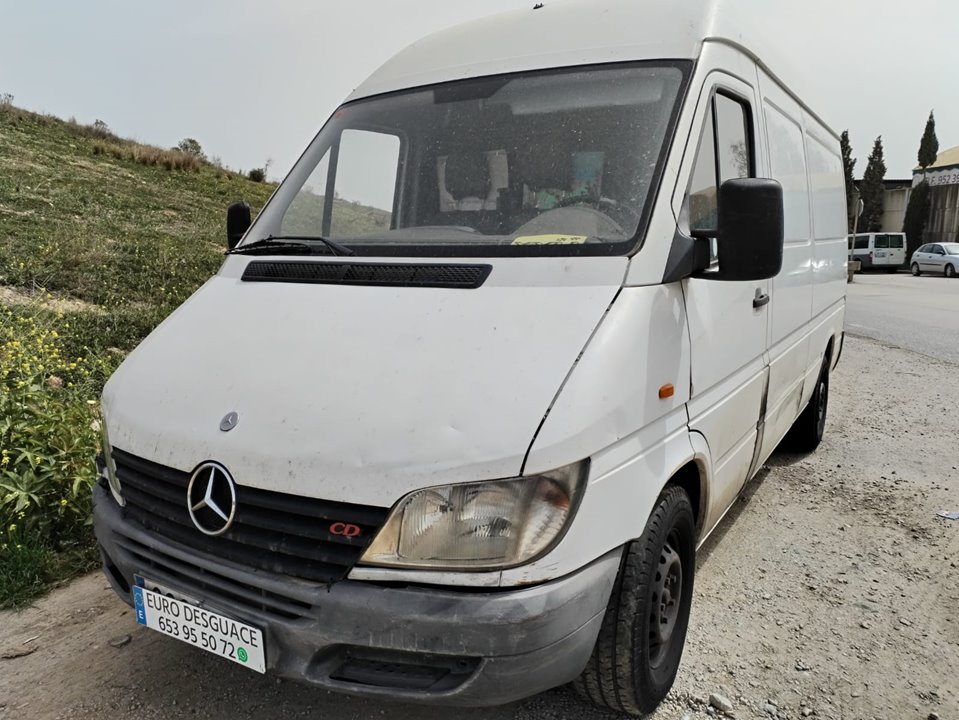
885	251
452	419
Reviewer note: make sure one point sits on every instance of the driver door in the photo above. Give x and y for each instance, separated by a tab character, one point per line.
727	320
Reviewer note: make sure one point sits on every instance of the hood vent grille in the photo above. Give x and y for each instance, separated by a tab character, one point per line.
436	275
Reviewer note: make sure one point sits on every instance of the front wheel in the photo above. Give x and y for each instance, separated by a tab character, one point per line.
915	269
950	271
640	644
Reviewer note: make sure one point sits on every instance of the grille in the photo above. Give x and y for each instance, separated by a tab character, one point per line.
466	277
273	532
169	570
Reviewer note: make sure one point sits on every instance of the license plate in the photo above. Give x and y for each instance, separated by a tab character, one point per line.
215	633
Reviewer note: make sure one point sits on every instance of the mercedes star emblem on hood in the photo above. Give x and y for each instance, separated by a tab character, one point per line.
211	498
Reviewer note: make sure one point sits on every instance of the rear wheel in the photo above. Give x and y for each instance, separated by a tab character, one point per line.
915	269
950	271
806	433
641	641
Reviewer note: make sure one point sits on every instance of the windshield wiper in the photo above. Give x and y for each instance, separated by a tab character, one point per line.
290	244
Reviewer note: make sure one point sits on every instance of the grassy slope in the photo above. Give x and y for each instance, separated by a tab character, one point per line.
133	239
95	250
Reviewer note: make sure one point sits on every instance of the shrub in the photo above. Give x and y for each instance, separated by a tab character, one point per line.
191	147
257	175
26	565
147	155
49	435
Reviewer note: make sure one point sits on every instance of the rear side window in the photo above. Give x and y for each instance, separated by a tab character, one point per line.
896	242
882	242
725	153
862	242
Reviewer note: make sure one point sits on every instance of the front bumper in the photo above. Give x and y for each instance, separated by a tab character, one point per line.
416	644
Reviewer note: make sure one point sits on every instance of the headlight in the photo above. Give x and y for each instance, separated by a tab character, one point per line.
111	467
479	526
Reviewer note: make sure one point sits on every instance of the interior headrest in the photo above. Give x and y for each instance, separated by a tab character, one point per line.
467	175
543	167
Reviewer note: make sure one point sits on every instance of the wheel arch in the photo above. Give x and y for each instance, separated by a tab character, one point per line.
828	353
691	477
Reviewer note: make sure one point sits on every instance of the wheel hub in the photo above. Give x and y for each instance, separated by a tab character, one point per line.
664	602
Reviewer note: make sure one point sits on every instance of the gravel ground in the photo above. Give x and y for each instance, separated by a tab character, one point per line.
831	590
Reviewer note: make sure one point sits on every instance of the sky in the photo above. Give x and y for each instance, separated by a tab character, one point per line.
253	80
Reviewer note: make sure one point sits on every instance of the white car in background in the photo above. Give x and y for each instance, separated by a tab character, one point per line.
937	258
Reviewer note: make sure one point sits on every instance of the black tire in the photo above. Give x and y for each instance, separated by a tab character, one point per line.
915	270
633	668
808	429
950	271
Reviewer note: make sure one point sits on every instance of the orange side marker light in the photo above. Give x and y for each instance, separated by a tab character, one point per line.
666	391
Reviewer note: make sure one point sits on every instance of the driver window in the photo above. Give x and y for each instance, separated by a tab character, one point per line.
357	198
725	153
366	179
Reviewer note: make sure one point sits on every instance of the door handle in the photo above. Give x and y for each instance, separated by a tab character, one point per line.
760	299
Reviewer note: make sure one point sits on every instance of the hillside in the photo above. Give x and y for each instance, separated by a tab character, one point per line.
129	241
100	239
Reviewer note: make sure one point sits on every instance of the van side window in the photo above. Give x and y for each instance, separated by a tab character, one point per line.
732	139
882	242
895	242
862	242
725	153
363	182
701	197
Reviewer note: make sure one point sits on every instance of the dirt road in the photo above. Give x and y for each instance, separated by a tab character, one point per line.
830	591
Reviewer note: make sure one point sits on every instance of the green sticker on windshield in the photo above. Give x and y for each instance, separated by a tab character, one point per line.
550	240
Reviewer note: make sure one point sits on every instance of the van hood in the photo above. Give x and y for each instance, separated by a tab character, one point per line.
359	393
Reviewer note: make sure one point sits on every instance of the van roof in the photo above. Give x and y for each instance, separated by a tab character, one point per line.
564	33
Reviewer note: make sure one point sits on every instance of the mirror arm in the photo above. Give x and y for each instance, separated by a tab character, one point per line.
688	256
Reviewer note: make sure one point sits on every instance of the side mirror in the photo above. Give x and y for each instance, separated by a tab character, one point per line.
238	221
750	229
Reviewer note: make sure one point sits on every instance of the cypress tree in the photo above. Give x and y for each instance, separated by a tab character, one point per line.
917	215
870	189
917	212
849	167
929	145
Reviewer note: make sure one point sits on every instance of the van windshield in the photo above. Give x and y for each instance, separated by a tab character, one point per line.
554	162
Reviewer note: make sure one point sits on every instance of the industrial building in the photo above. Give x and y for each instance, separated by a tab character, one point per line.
943	178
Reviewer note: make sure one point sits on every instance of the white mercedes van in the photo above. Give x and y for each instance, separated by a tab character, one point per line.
452	419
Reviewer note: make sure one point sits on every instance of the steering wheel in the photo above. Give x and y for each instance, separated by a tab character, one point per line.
597	201
619	213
